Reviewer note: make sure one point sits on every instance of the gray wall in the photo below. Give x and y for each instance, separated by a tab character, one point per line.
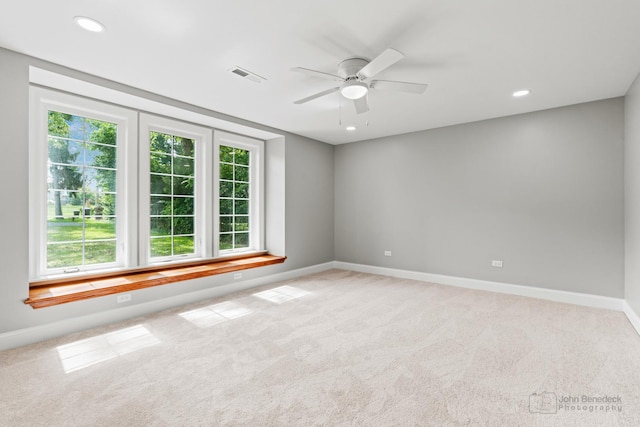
543	192
309	206
632	196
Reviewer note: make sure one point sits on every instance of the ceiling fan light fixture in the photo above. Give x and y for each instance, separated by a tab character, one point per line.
354	89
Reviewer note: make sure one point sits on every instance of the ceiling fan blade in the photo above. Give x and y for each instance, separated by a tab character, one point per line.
319	74
317	95
417	88
361	104
380	63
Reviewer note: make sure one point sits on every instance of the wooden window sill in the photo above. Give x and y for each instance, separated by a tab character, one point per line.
47	294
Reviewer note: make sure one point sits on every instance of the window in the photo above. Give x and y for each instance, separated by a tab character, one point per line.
106	197
234	200
238	172
172	195
78	219
82	174
173	180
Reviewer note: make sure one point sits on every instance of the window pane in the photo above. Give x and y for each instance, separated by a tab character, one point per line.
66	151
160	205
64	255
226	189
108	202
226	223
102	132
183	166
65	177
160	163
59	124
242	173
226	206
226	241
81	205
160	142
226	154
183	225
99	180
242	207
183	186
183	206
241	157
160	184
184	147
241	240
100	252
64	204
183	245
226	171
241	223
63	230
161	246
161	226
98	229
241	191
101	156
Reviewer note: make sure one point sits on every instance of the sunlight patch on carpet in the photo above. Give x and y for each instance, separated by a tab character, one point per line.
281	294
214	314
84	353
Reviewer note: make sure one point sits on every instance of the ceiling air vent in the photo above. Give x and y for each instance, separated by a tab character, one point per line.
247	75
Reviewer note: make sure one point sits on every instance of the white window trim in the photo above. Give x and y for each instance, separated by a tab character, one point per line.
202	192
42	100
256	192
131	247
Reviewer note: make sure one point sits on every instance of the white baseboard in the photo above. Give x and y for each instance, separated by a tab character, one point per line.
43	332
577	298
633	317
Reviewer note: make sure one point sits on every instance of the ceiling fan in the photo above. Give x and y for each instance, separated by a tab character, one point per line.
355	76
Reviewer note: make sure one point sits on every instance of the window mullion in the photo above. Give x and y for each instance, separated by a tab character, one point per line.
206	191
128	209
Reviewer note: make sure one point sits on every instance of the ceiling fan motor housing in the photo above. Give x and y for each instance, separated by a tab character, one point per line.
348	68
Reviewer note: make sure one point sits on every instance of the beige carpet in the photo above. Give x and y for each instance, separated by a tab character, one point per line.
336	348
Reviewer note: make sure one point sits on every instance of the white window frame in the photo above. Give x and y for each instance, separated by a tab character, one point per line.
202	188
41	101
133	183
256	190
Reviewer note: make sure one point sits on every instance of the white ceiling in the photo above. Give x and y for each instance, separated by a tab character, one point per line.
473	54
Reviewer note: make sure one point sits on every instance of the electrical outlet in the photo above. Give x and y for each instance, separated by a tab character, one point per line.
387	253
496	263
123	298
237	276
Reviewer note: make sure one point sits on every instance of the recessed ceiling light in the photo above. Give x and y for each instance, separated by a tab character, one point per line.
89	24
351	128
523	92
